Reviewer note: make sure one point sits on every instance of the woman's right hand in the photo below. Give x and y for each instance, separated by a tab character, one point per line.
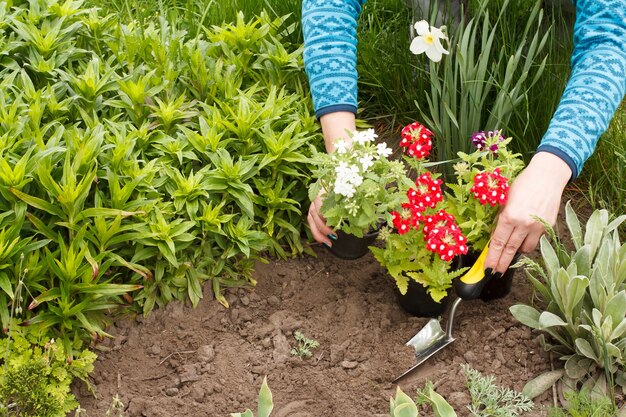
321	232
334	126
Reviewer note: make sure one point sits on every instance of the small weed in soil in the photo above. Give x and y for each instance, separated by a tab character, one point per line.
489	400
304	345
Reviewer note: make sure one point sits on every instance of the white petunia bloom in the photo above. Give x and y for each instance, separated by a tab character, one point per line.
383	150
428	40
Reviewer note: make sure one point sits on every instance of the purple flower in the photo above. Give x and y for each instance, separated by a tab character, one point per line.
487	140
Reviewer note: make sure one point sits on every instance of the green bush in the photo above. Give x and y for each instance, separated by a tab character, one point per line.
36	378
141	159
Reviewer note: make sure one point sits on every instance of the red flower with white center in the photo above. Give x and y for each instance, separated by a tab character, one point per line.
401	224
443	236
441	220
490	187
427	192
417	140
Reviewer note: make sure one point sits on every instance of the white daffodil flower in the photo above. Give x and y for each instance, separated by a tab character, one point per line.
428	40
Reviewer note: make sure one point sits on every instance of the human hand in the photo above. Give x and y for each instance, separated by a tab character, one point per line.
334	125
536	192
321	232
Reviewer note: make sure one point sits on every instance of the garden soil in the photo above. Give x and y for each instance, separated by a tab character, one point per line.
210	361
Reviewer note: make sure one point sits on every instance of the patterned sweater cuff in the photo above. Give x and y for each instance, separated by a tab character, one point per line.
335	108
563	155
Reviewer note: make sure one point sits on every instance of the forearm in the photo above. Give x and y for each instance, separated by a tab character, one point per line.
335	126
329	28
596	86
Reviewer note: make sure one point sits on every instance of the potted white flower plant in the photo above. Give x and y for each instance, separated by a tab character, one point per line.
357	182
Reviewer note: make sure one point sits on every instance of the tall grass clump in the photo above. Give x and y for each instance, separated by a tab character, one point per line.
604	175
196	16
389	80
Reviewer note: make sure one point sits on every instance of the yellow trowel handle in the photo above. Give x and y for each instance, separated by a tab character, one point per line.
471	284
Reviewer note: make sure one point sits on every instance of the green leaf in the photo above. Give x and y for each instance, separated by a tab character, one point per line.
247	413
577	367
549	256
440	405
595	228
537	386
266	404
616	308
576	290
39	203
573	225
585	349
405	410
5	284
547	319
526	315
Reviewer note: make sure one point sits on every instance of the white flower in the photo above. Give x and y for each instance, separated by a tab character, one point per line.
366	162
341	146
428	41
348	178
383	150
357	137
368	135
354	177
344	188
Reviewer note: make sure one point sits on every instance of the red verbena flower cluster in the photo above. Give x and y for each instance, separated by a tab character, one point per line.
443	236
441	233
426	194
490	187
417	140
404	224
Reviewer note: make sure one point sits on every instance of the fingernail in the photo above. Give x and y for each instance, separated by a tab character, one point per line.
488	271
326	244
497	275
333	237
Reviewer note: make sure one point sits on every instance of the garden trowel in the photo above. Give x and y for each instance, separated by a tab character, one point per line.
432	338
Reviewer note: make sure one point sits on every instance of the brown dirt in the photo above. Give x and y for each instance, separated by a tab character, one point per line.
210	361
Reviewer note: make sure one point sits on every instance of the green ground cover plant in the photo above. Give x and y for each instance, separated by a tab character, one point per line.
139	162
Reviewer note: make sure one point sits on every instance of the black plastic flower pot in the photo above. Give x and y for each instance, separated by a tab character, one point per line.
417	302
350	247
495	288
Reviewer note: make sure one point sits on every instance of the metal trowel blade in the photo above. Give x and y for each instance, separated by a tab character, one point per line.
426	343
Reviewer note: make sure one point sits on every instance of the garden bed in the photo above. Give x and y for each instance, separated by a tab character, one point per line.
210	360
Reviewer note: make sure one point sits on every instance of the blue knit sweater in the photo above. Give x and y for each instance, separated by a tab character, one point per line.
595	89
